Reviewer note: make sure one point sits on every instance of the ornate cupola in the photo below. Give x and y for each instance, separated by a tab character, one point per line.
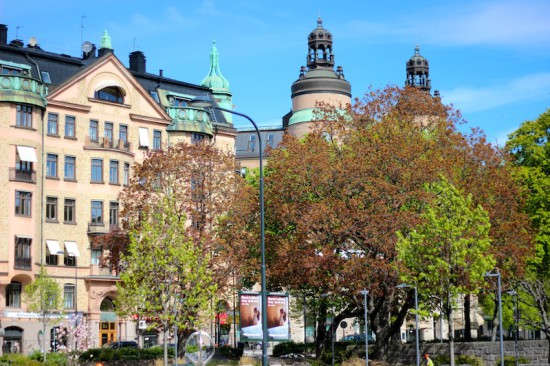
218	83
318	82
105	44
418	71
320	47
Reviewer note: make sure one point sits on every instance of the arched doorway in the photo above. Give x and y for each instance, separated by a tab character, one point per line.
107	322
13	340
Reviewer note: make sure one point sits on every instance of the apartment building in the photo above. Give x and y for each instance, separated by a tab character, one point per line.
71	128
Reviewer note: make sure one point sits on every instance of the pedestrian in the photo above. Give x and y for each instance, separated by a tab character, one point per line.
427	360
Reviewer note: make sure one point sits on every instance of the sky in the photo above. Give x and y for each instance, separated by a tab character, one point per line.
489	59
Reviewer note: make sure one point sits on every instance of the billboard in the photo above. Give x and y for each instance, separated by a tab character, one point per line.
250	306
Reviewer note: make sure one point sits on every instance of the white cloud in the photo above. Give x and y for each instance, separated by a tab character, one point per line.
529	87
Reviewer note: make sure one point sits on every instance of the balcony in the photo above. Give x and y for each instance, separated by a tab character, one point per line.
22	263
108	144
97	228
18	175
23	89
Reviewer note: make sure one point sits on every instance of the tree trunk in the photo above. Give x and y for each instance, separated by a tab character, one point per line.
321	330
451	331
165	336
467	318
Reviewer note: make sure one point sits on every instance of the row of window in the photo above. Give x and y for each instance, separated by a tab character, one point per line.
24	119
52	163
14	290
23	207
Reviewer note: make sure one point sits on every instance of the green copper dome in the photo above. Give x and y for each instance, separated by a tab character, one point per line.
215	80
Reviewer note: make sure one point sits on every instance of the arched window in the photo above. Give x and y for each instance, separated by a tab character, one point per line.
107	305
111	93
12	340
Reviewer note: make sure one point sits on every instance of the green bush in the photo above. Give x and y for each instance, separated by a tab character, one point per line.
16	359
459	360
511	361
286	348
128	354
231	353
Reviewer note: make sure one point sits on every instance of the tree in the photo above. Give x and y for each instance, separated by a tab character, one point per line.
530	147
447	254
169	261
336	198
43	297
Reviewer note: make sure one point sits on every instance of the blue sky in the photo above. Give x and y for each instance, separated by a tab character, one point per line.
490	59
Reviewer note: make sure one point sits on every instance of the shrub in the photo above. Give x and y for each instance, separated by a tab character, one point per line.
459	360
287	348
511	361
247	360
231	353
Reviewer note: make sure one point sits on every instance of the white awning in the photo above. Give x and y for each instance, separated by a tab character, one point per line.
72	249
53	247
143	137
27	153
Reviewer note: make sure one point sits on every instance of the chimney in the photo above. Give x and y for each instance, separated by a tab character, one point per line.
137	61
3	34
104	51
161	73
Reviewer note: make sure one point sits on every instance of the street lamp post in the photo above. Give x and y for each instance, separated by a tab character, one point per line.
207	102
495	273
403	285
516	330
365	293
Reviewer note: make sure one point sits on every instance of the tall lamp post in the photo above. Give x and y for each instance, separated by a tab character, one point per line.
365	293
516	330
207	102
496	273
403	285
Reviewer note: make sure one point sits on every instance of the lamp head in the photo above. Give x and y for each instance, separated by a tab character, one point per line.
403	285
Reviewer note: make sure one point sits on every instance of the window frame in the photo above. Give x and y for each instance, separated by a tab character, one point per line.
96	170
23	203
157	139
93	130
52	161
70	127
68	164
23	116
52	128
126	175
13	288
113	172
123	134
94	218
69	208
68	296
22	253
51	209
251	146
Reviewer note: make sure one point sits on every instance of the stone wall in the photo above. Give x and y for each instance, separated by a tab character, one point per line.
534	350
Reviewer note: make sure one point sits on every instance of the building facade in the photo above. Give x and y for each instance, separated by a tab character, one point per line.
71	128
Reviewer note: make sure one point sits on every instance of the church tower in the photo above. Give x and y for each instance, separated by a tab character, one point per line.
219	85
418	71
318	82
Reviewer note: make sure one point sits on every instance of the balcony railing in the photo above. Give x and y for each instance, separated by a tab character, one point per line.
22	263
19	175
106	143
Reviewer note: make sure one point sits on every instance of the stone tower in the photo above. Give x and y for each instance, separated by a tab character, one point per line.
318	82
418	71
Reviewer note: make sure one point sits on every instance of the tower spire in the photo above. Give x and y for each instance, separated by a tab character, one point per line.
418	71
215	79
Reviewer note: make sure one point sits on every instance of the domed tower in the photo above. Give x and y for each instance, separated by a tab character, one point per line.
318	82
418	71
219	85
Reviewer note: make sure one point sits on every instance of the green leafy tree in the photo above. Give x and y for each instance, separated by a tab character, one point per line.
530	146
43	297
169	267
447	254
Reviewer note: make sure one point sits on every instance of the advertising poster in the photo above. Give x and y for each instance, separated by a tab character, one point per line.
278	317
251	318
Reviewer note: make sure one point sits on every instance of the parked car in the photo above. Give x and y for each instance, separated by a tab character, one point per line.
121	344
357	338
